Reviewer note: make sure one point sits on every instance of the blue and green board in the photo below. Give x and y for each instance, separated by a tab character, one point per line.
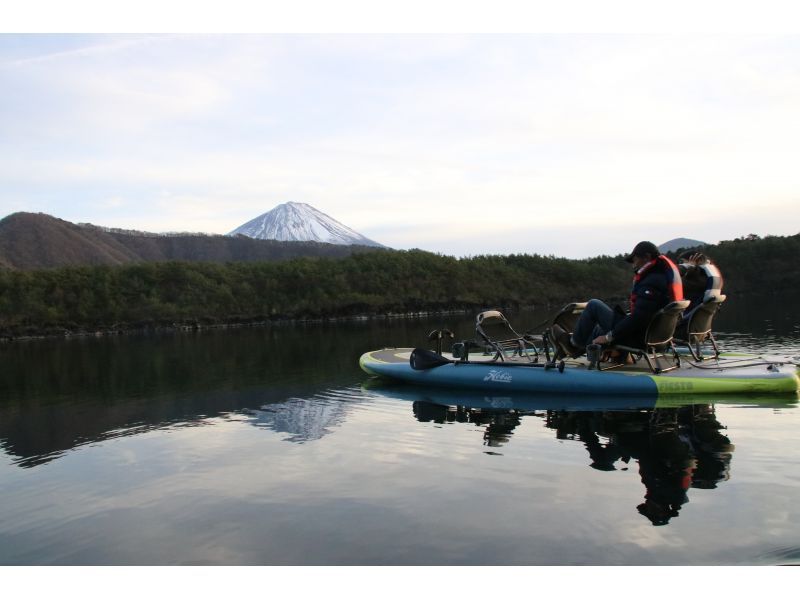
729	375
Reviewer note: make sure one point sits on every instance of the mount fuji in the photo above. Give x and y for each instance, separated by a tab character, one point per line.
294	221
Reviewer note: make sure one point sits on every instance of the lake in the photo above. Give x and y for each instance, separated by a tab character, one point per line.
269	446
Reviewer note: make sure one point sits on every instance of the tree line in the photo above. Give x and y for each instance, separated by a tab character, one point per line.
371	283
755	265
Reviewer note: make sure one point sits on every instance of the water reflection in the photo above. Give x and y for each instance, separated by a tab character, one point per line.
57	395
675	448
261	446
38	436
498	424
677	444
302	420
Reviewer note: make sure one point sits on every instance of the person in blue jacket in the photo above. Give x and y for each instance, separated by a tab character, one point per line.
656	283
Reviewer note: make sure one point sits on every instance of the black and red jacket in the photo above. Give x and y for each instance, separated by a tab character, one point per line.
655	284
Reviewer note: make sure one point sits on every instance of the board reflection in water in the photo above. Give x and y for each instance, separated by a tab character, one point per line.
675	448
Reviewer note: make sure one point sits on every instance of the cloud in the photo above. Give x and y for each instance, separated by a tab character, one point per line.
464	134
82	51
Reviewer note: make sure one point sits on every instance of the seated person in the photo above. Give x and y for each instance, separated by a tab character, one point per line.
656	283
700	278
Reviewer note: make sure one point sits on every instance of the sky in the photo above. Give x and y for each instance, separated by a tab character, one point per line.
562	144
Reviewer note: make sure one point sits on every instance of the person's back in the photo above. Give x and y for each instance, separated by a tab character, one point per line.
701	278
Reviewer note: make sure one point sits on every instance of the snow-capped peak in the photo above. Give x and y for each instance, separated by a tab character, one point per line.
294	221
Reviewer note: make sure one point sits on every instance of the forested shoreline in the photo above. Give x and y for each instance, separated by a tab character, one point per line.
194	294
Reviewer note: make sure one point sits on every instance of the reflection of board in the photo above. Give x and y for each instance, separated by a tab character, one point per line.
732	374
529	402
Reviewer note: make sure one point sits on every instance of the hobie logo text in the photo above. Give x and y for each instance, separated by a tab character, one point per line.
497	376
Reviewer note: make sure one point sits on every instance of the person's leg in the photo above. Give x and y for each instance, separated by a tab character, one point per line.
596	315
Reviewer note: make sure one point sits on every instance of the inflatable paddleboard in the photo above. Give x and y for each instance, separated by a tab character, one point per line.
729	374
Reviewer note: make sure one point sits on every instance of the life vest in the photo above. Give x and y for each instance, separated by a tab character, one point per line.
674	284
713	281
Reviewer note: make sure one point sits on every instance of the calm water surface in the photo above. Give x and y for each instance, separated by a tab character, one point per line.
269	446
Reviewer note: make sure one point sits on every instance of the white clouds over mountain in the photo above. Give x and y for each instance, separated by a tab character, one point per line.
420	140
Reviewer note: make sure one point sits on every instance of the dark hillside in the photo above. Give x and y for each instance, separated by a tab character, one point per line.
30	241
34	241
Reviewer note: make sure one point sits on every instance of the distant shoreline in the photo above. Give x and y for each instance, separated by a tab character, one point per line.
55	332
180	327
33	333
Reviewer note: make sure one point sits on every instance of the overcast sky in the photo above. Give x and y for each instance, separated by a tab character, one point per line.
564	144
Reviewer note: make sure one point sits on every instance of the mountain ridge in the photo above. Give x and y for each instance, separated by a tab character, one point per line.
31	241
680	243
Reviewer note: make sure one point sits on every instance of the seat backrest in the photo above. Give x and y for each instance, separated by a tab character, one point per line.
488	318
492	325
662	327
701	317
568	316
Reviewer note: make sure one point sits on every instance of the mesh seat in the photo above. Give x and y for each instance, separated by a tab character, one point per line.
567	318
658	338
695	329
500	337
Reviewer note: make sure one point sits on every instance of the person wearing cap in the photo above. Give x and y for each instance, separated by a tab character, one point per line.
701	278
656	283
